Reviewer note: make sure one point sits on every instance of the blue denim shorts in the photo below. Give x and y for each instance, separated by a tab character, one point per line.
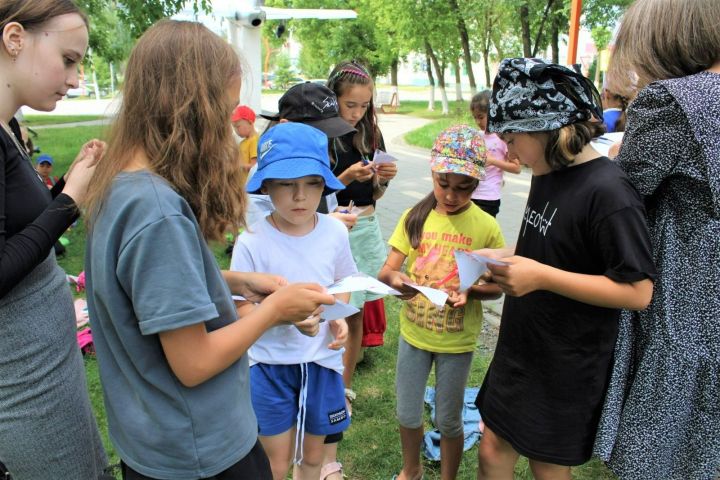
276	391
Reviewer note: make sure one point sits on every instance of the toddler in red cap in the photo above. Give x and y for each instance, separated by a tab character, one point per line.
243	122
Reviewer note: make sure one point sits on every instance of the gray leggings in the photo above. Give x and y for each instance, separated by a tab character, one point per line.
451	373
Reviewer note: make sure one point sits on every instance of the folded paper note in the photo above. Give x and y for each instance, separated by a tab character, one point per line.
337	310
471	266
360	282
436	297
381	157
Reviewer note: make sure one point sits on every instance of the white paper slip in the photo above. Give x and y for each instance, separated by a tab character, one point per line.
337	310
436	297
383	157
471	266
360	282
359	210
603	143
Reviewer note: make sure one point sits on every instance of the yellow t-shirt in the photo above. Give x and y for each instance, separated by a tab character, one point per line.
248	151
422	325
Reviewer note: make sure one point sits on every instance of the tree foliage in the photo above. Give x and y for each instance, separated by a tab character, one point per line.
384	32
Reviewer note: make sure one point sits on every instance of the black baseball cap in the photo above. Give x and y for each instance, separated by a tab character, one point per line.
315	105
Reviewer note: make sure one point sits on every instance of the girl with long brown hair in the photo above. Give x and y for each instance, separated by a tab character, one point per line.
47	428
365	183
172	353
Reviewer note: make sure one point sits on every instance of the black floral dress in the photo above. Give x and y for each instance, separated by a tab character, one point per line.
661	418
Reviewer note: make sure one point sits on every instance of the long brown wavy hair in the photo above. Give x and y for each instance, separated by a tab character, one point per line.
32	14
176	111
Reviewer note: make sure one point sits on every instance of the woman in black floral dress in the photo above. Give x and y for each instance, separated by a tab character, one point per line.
662	414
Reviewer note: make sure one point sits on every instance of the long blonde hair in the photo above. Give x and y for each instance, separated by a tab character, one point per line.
176	111
661	39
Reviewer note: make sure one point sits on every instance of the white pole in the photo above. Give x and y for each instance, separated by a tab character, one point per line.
247	41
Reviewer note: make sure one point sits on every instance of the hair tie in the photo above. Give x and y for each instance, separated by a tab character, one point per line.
354	71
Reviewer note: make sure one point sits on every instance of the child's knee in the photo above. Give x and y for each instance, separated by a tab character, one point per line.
408	418
495	453
448	420
313	458
489	455
450	426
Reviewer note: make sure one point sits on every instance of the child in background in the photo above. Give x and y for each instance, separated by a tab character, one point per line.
171	351
488	193
427	236
243	122
365	183
583	253
614	111
296	381
315	105
44	166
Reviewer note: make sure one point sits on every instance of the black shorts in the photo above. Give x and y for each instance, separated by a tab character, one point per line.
489	206
254	466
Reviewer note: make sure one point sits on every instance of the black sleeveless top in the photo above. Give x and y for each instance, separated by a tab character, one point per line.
346	155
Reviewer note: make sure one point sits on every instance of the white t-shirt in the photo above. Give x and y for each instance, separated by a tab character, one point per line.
322	256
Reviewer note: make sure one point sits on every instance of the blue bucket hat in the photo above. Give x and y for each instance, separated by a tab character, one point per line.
293	150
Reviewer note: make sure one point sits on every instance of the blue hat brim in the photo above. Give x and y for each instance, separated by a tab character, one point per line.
295	167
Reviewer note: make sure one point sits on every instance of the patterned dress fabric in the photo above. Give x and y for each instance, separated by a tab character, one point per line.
661	418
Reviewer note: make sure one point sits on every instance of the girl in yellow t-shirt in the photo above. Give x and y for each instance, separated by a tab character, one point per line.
243	122
427	236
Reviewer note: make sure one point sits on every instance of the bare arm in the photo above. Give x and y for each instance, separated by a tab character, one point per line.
196	355
512	166
391	275
524	275
485	291
252	285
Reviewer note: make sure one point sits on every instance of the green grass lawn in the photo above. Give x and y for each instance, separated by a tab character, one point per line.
63	144
371	449
425	136
39	120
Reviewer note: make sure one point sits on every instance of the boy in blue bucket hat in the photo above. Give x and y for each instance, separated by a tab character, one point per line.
296	381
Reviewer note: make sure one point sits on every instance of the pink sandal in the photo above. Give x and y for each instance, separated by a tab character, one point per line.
330	468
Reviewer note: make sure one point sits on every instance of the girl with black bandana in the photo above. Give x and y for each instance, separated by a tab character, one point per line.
582	254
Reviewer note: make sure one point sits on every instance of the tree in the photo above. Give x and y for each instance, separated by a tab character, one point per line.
464	42
283	72
114	25
328	42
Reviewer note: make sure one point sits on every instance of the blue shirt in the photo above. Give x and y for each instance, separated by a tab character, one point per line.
610	118
149	270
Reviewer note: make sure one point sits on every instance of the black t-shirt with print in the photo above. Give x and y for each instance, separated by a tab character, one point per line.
545	386
361	193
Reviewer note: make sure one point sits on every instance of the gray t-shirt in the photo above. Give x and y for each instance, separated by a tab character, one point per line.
149	270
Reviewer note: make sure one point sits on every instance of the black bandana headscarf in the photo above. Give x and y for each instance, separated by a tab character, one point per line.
531	95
